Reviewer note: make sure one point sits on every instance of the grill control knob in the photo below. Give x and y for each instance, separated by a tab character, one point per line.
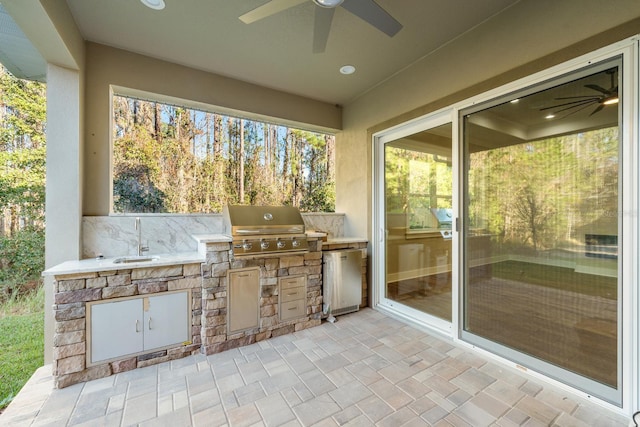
246	245
264	244
295	243
280	244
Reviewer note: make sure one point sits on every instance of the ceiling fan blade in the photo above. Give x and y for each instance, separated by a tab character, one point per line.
571	112
576	97
599	89
321	27
600	107
571	104
574	108
371	12
268	9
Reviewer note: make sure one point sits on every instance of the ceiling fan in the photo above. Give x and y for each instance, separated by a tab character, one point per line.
367	10
580	102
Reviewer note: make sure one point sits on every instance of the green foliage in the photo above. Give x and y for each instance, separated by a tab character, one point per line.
320	198
133	186
22	184
22	178
22	260
22	193
171	159
23	125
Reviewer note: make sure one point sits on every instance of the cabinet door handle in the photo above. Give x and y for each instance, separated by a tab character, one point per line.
149	323
137	324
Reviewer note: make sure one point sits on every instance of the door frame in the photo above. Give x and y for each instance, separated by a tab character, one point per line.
380	139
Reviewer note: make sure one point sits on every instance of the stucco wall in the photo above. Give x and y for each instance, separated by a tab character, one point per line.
526	38
133	74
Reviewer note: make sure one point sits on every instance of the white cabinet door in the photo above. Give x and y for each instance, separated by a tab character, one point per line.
116	329
166	320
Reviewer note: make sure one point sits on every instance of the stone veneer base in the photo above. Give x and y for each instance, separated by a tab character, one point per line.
208	285
214	295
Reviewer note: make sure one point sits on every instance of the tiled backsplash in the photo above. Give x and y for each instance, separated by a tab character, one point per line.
116	235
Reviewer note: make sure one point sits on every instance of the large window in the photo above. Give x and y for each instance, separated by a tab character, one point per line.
175	159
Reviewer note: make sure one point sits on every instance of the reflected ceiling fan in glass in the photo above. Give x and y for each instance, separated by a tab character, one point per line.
601	99
367	10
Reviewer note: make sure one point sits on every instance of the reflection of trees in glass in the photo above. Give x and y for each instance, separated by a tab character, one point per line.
416	182
173	159
538	195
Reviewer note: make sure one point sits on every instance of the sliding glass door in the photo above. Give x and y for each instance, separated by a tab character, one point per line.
418	216
542	230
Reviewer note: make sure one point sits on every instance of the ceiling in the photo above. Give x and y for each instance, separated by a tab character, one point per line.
17	54
571	104
276	52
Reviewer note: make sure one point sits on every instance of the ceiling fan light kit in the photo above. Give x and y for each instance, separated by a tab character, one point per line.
573	104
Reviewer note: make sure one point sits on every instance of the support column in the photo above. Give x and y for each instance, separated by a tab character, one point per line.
63	206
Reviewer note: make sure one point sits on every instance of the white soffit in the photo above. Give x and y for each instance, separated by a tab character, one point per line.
17	53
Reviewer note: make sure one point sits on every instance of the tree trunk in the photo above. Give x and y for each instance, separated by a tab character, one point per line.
157	121
241	158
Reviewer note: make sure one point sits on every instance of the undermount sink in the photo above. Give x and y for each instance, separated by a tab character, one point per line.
131	259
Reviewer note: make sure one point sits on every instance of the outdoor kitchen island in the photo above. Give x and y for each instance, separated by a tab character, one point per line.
276	271
199	279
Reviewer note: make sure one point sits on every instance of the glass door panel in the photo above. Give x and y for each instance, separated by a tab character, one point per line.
418	220
541	235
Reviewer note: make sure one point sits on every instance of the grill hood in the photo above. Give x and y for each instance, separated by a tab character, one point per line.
254	220
263	230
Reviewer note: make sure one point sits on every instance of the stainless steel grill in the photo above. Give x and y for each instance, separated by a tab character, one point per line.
259	230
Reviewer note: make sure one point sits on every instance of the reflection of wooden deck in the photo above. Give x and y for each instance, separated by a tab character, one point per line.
575	331
429	294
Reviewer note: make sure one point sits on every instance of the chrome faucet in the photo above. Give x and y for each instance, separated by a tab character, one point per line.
141	248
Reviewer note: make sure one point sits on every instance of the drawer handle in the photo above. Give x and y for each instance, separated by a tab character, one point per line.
292	308
295	293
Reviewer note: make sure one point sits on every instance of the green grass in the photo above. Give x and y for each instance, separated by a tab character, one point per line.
21	343
558	278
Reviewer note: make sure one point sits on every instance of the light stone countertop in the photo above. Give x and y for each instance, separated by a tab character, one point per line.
341	240
107	264
212	238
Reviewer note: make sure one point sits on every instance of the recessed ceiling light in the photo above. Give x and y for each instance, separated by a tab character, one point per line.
549	116
347	69
154	4
328	3
515	101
